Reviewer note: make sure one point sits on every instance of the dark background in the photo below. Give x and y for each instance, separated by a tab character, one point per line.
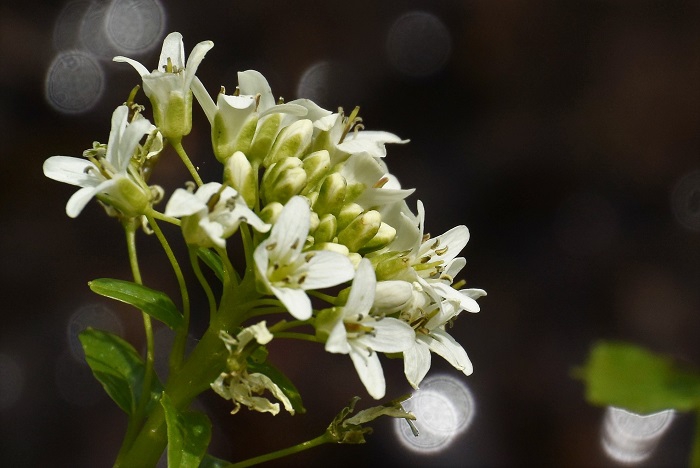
564	134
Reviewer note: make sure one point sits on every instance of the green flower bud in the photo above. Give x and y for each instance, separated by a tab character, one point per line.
361	230
316	166
325	232
392	296
384	236
331	196
271	212
348	213
173	116
239	174
292	141
226	141
283	180
392	266
267	129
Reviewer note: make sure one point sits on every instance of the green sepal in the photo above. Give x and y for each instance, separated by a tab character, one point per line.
189	434
281	380
326	320
213	261
157	304
630	377
119	368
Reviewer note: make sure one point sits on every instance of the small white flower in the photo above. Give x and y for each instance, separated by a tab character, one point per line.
287	271
361	335
106	172
212	214
168	87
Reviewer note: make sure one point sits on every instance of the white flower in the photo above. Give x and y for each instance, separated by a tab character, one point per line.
168	87
287	271
212	214
361	335
431	336
105	172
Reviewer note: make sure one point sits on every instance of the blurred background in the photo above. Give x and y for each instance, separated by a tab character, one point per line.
565	135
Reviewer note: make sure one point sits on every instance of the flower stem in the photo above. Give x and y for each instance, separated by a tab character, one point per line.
178	352
194	260
297	336
186	161
322	439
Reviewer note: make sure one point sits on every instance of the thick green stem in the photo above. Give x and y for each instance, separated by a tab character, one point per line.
186	161
320	440
695	451
194	260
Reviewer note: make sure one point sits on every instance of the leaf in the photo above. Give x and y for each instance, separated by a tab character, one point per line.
157	304
213	261
189	434
118	367
633	378
281	380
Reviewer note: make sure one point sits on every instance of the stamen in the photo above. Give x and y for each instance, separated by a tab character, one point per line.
442	251
214	199
309	256
301	280
381	182
295	244
271	246
169	66
352	119
435	245
237	92
425	238
257	101
223	90
280	100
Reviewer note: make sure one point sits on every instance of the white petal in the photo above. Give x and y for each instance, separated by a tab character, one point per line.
204	99
130	138
119	121
289	232
173	49
295	300
448	292
337	341
370	142
195	58
139	68
361	295
372	197
253	82
74	171
390	335
326	269
369	369
79	199
416	363
183	203
455	239
453	352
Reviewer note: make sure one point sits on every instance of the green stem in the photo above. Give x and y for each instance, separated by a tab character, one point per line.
178	351
186	161
297	336
325	297
695	451
137	418
160	216
320	440
194	260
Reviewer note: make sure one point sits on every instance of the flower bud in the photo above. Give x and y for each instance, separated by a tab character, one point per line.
348	213
391	267
172	113
292	141
233	126
325	232
316	166
283	180
361	230
392	296
239	174
267	129
271	212
331	196
128	197
384	236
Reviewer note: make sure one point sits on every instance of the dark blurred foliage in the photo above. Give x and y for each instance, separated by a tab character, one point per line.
555	130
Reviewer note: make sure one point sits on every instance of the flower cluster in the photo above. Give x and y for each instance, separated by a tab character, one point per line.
326	213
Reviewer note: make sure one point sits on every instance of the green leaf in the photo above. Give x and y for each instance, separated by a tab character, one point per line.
157	304
281	380
633	378
213	261
118	367
189	434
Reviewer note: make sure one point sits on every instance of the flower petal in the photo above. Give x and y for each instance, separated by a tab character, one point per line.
73	171
173	49
184	203
139	68
370	371
79	199
390	335
295	300
326	269
289	232
416	363
252	82
195	58
361	295
444	345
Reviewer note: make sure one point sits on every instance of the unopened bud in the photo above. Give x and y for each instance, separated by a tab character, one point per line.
233	126
271	212
316	166
325	232
361	230
283	180
348	213
267	129
384	236
391	267
239	174
331	196
292	141
392	296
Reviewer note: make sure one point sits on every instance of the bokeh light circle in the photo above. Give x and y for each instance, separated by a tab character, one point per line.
97	316
685	201
135	26
74	82
631	438
418	44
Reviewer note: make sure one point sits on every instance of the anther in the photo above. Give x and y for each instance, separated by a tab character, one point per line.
381	182
271	246
442	251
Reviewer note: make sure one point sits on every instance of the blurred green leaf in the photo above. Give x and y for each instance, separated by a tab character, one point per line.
189	434
157	304
118	367
281	380
630	377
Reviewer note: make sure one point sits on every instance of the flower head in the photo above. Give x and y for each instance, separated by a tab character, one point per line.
168	86
105	171
211	214
288	271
